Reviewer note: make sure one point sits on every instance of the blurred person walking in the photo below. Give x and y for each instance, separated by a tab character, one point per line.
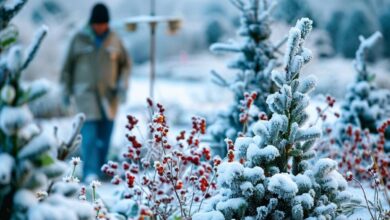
95	76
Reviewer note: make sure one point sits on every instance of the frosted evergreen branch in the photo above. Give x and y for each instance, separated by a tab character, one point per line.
77	125
224	47
238	4
271	65
34	46
218	79
296	55
74	139
8	11
305	25
292	46
361	53
267	13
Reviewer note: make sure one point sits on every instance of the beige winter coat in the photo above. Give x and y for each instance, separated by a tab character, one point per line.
95	77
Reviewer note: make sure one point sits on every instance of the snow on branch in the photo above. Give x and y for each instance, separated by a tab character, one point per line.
365	45
8	10
296	55
74	139
33	48
224	47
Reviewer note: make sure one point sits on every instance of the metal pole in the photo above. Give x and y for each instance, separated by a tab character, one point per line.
153	26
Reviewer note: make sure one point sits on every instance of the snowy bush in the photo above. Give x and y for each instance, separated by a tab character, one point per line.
160	178
365	106
359	138
32	158
255	60
268	176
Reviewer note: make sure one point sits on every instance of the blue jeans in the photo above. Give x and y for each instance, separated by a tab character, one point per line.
95	145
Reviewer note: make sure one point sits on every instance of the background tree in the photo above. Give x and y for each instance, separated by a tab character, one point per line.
256	58
269	176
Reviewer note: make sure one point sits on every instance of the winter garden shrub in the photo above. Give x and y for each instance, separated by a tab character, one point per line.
359	138
255	60
160	178
365	106
31	158
268	176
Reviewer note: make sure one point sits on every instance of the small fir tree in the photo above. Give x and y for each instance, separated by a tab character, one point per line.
255	60
362	131
268	176
365	106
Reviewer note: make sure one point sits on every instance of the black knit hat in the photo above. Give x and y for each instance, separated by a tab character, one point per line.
99	14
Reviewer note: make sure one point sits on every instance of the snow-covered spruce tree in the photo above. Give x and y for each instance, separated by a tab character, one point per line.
254	62
270	177
365	106
31	158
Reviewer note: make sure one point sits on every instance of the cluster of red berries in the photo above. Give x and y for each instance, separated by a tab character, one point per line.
263	116
230	148
198	128
131	122
110	168
384	126
171	181
363	155
330	101
245	105
204	184
130	180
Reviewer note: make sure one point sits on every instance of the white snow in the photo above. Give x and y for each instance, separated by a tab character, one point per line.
234	204
7	164
303	182
282	185
254	174
305	200
266	154
228	172
14	59
324	166
212	215
14	118
38	145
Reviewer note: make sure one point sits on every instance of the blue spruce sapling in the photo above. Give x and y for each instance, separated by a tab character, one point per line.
256	58
271	177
